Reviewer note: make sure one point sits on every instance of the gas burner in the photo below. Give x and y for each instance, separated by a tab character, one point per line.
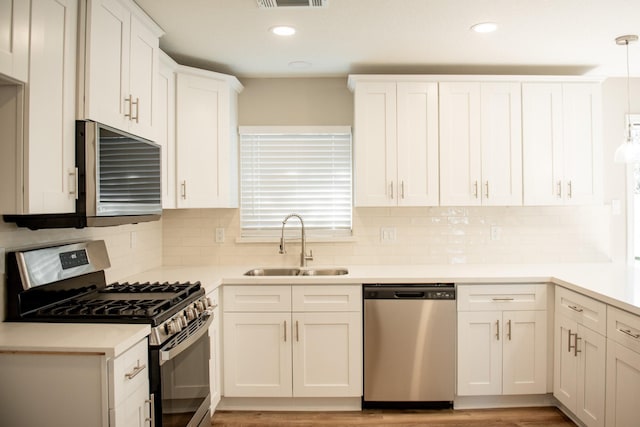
165	287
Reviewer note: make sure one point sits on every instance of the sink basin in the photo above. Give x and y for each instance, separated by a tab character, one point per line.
273	272
294	271
324	272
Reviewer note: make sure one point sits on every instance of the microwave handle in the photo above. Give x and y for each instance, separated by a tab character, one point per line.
166	355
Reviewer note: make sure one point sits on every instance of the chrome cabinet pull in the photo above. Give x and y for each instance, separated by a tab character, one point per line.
559	193
486	185
631	334
285	331
137	104
136	370
569	341
475	189
498	330
152	409
569	189
183	190
297	332
509	329
74	173
128	101
576	308
502	299
402	189
391	189
575	346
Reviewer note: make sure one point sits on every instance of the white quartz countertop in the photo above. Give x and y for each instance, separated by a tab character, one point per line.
110	339
614	284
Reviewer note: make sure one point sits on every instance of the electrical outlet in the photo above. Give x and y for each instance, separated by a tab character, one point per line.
496	232
387	234
219	235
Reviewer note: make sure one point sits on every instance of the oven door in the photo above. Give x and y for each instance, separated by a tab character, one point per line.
180	377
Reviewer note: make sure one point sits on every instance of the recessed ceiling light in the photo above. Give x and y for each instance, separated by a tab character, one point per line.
485	27
283	30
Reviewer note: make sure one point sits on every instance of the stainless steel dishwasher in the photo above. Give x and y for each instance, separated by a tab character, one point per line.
409	345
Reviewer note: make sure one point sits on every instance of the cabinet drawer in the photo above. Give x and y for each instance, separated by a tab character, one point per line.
130	372
327	298
525	296
256	298
624	328
584	310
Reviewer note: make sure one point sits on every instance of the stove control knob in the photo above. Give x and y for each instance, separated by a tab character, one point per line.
209	303
170	327
199	306
183	321
191	313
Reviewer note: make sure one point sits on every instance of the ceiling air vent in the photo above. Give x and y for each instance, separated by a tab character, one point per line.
291	3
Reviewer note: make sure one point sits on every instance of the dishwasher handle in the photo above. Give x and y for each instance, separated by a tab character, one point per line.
409	295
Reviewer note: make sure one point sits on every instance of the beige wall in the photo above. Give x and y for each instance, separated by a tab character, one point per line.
424	235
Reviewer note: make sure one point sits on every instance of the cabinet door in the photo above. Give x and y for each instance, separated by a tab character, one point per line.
565	367
479	353
375	144
14	39
417	140
501	144
199	117
133	411
590	397
542	143
143	68
460	166
327	354
623	386
107	75
257	355
582	142
166	128
524	357
50	181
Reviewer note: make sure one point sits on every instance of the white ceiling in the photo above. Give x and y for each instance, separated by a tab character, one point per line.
401	36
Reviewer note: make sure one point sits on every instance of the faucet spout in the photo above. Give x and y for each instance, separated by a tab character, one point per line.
303	253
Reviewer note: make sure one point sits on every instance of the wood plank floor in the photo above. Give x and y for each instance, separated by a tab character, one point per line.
512	417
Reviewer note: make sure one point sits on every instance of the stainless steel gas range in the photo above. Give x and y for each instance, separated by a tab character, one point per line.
67	284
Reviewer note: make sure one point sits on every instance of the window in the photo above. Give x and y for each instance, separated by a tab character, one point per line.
291	169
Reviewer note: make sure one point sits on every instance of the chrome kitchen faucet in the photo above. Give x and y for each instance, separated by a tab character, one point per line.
303	256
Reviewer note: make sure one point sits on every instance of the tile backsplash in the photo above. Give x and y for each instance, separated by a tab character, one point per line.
437	235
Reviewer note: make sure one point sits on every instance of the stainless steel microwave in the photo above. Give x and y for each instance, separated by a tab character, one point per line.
119	181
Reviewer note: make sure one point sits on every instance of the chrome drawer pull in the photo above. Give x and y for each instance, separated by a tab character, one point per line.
631	334
139	368
575	308
509	331
498	330
285	331
502	299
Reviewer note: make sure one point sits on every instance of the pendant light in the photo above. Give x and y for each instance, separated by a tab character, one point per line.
629	150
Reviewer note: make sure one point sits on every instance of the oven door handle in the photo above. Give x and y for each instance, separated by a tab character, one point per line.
166	355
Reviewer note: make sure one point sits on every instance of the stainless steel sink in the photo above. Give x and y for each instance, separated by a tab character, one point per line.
273	272
324	272
294	271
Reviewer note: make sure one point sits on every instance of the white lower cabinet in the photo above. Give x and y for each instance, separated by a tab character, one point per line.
623	369
579	356
296	341
215	356
94	390
501	351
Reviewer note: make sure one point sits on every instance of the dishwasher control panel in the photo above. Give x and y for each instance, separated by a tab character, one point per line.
432	291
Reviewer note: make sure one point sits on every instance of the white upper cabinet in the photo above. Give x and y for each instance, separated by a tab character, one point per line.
562	143
166	126
121	65
396	143
206	139
480	144
14	39
49	141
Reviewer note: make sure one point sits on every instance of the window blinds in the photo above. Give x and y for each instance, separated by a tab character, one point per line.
299	170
